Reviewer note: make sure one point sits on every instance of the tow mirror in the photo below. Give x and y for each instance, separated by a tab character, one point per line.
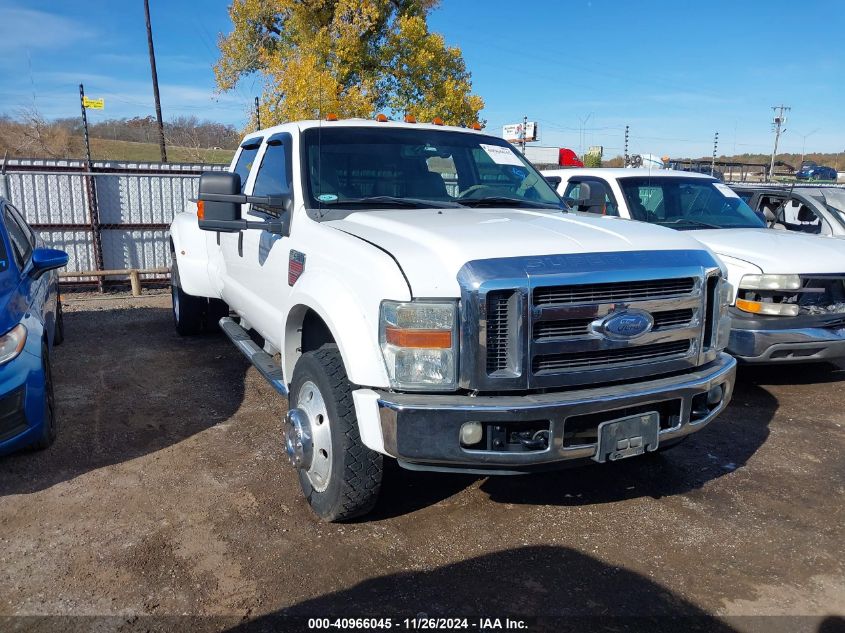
220	200
217	207
44	259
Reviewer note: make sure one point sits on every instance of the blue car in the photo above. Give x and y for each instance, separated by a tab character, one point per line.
30	324
813	171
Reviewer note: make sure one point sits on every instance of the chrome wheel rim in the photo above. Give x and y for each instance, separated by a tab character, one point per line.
310	401
175	301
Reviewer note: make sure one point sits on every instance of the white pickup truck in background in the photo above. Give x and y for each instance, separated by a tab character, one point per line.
418	293
788	303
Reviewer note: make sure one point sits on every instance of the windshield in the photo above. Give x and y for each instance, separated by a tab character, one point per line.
687	203
371	167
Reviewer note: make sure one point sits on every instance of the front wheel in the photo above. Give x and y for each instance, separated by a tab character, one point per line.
49	428
189	312
339	476
59	327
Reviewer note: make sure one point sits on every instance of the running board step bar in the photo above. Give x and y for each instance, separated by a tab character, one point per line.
262	361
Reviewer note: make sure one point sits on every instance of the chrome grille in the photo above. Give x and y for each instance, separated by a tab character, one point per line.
611	358
581	327
545	322
613	292
497	331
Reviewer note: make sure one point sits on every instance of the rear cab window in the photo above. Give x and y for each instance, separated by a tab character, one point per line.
246	158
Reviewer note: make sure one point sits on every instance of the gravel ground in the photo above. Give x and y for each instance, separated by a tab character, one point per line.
167	494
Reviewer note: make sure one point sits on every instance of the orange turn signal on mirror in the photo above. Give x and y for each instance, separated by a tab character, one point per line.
424	339
200	209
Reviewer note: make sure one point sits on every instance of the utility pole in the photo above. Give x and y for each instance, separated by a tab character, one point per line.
257	115
155	82
778	129
626	146
85	127
715	146
804	142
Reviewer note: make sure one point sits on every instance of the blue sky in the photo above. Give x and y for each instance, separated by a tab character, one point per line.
675	71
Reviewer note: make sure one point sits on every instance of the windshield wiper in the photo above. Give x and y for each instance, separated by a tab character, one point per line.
504	201
691	222
394	201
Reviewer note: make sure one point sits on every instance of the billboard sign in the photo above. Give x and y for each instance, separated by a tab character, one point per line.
521	133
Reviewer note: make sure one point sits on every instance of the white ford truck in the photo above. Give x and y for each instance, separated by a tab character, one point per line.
788	303
418	293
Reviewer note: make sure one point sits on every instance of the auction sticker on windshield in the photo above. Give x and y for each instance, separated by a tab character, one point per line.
726	191
501	155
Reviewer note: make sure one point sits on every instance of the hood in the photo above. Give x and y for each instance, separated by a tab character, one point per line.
777	252
431	245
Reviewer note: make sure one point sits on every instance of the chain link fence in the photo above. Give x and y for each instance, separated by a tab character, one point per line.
114	216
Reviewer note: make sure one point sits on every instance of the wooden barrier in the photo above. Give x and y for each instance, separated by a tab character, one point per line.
134	275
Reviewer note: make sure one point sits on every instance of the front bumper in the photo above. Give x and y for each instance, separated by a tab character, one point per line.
786	339
423	431
21	402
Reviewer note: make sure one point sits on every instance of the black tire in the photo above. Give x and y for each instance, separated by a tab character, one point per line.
215	310
356	471
188	311
49	431
59	327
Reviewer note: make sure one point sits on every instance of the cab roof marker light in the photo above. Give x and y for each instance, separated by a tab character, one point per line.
381	118
410	118
331	117
437	121
477	126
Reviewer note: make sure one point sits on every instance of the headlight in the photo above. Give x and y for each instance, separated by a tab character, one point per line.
419	341
11	343
769	294
770	282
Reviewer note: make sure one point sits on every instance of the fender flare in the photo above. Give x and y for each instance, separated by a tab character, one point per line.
354	328
190	251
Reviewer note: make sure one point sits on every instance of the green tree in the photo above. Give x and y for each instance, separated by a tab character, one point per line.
348	57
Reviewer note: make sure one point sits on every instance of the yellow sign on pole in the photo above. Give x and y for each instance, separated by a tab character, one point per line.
94	104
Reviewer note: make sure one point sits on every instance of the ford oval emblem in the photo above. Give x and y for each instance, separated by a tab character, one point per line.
626	325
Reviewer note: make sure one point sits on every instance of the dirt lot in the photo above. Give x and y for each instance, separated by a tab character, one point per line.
167	494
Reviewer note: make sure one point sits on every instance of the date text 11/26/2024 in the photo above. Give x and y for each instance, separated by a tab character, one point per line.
418	624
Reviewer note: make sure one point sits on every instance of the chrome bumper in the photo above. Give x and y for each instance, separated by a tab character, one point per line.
798	345
422	430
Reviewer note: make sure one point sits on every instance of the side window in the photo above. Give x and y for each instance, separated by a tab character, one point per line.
22	223
21	246
600	202
249	150
799	217
274	175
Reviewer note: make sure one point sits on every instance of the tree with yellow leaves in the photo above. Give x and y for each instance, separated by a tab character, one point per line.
348	57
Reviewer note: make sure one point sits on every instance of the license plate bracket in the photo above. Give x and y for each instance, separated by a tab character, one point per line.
627	437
